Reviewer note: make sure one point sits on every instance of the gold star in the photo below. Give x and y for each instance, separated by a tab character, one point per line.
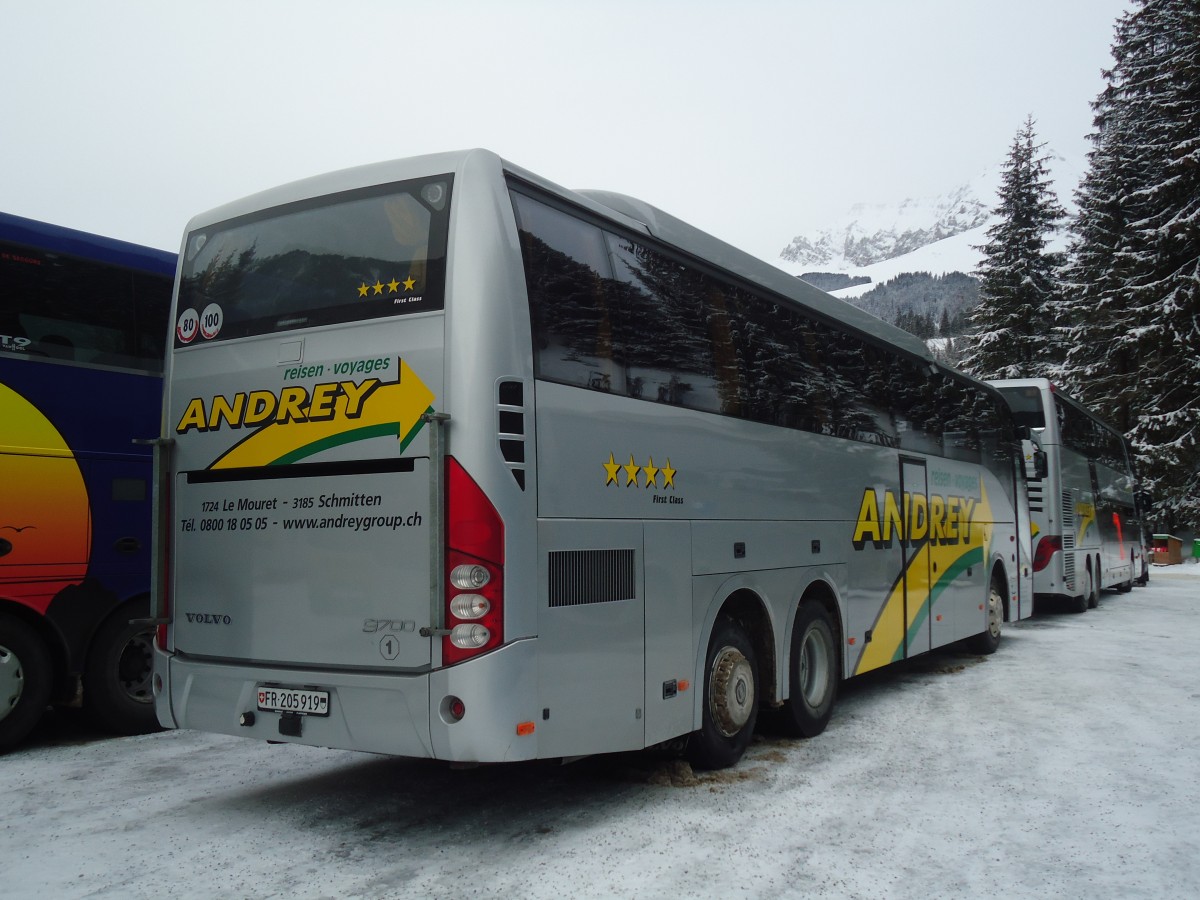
668	475
409	282
378	287
363	288
393	286
651	473
631	472
612	467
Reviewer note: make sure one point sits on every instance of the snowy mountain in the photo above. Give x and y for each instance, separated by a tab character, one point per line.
872	233
938	235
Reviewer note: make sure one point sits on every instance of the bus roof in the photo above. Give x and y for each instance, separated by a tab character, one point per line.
58	239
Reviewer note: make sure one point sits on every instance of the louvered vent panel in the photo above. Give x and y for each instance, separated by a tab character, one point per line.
1035	498
579	577
1068	521
1069	570
510	427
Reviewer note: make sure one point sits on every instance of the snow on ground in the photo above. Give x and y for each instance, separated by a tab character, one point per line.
1066	765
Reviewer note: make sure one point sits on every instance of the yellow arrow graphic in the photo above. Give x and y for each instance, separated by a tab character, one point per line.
391	408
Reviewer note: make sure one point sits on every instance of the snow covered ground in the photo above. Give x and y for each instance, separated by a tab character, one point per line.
1066	765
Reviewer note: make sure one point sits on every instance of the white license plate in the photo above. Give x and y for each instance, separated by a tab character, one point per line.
293	700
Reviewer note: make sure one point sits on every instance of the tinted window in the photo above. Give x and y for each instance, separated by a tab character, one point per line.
570	298
613	313
62	307
1089	436
360	255
668	313
1026	404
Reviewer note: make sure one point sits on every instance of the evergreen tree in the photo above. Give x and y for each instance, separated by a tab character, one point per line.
944	324
1134	278
1013	335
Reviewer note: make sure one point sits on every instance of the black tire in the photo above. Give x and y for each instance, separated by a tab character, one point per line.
987	641
117	679
1094	587
1083	602
813	675
730	703
26	677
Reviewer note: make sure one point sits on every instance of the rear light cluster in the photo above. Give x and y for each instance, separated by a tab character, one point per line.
474	569
1046	548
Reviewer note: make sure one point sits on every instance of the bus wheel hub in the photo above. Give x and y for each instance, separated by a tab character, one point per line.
731	691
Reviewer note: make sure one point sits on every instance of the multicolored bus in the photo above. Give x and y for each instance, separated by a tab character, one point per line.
83	321
460	464
1085	515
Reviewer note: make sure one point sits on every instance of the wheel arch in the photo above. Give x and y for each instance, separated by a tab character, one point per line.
999	573
823	593
125	607
747	607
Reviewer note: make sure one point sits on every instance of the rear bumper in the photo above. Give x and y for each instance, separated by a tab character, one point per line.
393	714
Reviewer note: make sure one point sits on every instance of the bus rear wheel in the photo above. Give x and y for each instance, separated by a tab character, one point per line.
813	678
730	699
117	692
1083	602
25	675
988	641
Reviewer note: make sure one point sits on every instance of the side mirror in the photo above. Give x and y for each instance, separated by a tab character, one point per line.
1037	466
1041	464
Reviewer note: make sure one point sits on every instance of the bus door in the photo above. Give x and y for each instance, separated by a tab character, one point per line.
1023	564
915	558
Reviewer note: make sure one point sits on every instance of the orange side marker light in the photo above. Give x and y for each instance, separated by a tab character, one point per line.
524	729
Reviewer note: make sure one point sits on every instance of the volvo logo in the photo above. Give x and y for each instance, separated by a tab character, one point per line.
209	618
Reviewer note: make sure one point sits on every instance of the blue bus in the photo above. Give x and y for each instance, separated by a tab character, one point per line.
83	321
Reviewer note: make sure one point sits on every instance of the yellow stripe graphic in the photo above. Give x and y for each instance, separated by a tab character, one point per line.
887	636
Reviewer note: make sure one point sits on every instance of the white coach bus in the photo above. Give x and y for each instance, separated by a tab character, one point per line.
462	465
1085	517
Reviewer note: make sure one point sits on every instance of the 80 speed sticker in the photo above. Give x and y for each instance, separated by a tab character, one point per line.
187	326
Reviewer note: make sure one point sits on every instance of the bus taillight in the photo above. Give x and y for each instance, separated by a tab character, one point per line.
1046	548
474	569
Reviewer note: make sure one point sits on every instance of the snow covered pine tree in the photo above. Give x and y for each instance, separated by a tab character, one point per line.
1133	298
1012	327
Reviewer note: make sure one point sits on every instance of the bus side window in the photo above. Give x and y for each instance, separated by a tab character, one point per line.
569	282
915	406
960	419
663	335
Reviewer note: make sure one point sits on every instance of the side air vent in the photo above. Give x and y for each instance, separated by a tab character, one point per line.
510	427
579	577
1036	497
1068	521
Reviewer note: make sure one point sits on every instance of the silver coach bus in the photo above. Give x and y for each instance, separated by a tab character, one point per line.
1086	523
463	465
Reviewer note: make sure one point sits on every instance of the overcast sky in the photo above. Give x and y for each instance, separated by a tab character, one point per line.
754	120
